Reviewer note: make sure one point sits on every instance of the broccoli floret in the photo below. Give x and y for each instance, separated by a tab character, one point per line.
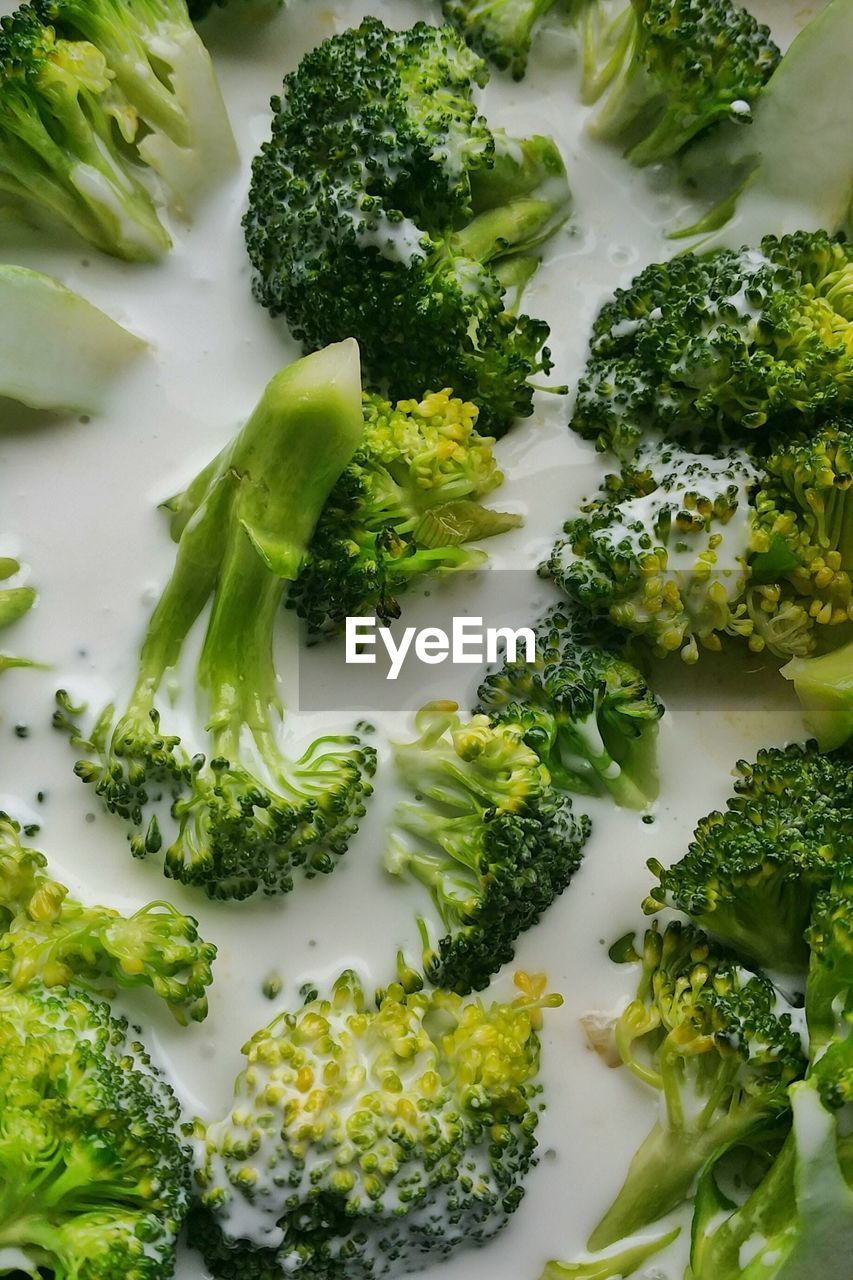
243	816
793	163
487	834
501	30
15	603
380	206
413	1138
685	549
829	989
91	88
612	1266
670	69
407	505
723	346
94	1180
706	1033
587	710
824	685
48	936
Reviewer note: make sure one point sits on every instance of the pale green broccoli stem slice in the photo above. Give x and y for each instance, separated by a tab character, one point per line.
87	349
613	1265
795	160
824	685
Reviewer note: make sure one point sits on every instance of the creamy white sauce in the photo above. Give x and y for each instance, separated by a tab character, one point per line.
78	505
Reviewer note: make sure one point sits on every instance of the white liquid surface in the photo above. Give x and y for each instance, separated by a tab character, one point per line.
78	506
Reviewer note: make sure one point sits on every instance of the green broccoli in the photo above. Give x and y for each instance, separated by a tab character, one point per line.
501	30
612	1266
384	205
15	603
407	505
365	1140
243	816
685	549
751	874
586	708
47	936
724	346
707	1034
489	836
90	91
669	69
94	1179
824	685
829	988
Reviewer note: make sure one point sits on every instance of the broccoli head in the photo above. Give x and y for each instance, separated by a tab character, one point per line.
707	1034
723	346
46	935
586	708
92	90
94	1179
406	506
15	603
669	69
366	1140
752	873
501	30
243	816
486	833
384	207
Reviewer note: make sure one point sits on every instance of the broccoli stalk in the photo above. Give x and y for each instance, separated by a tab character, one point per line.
501	30
614	1265
15	603
824	685
243	816
705	1033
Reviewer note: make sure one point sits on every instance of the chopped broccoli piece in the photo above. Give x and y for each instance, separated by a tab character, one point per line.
829	990
670	69
94	1177
501	30
706	1033
381	206
93	88
15	603
48	936
489	836
243	816
824	685
793	164
407	505
751	873
413	1139
685	549
723	346
587	709
614	1265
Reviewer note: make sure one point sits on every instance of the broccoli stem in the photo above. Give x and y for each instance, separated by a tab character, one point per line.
765	1212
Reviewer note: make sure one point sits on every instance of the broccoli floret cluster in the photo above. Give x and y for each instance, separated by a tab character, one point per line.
752	873
15	603
47	936
501	30
723	347
408	504
669	69
489	836
685	549
92	92
585	707
384	207
242	816
94	1179
365	1140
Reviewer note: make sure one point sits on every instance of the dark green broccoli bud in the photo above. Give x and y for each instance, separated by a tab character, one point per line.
798	1222
501	30
91	90
381	205
670	69
48	936
587	710
725	345
612	1266
243	817
407	505
15	603
706	1033
365	1140
94	1180
751	874
487	834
